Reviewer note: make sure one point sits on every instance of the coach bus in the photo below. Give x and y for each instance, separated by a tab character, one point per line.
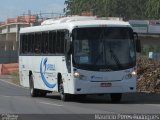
79	56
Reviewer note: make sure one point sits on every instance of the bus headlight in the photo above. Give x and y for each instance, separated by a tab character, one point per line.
130	75
76	74
134	73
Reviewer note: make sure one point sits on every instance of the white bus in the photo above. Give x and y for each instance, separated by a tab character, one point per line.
78	56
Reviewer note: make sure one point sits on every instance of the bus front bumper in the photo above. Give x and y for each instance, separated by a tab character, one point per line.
88	87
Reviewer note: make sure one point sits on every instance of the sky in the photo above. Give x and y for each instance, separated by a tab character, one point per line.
13	8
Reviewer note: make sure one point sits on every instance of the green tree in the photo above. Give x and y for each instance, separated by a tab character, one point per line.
128	9
153	9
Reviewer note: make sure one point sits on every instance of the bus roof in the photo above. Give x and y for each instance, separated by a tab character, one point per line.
70	23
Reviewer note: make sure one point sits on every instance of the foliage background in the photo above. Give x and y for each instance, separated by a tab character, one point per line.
127	9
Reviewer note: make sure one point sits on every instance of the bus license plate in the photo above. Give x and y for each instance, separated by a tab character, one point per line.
106	84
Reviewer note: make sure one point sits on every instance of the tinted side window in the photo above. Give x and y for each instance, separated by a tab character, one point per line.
44	42
37	45
21	38
30	42
60	42
52	42
24	43
48	42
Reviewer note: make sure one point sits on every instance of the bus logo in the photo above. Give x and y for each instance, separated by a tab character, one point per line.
43	67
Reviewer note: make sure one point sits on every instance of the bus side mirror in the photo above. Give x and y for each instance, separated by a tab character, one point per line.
138	43
138	46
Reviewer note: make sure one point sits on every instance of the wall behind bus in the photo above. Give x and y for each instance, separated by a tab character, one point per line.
8	57
6	69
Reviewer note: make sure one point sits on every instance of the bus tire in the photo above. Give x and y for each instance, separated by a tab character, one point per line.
63	96
116	97
79	97
33	91
42	93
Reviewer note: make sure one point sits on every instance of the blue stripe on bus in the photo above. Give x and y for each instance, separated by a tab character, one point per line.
43	77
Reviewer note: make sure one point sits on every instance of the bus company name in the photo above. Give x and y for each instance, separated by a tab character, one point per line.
50	67
43	67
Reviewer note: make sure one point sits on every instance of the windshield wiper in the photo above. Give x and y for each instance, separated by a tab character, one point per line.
97	58
115	57
100	42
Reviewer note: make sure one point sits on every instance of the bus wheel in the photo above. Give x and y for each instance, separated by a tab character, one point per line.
116	97
63	96
42	93
33	92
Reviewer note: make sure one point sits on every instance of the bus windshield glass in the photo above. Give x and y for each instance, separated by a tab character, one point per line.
99	48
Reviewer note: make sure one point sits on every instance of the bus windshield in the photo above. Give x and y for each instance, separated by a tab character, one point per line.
103	48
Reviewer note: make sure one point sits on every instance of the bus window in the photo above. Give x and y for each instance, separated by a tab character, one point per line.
21	47
60	42
24	44
44	43
30	43
52	41
37	45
